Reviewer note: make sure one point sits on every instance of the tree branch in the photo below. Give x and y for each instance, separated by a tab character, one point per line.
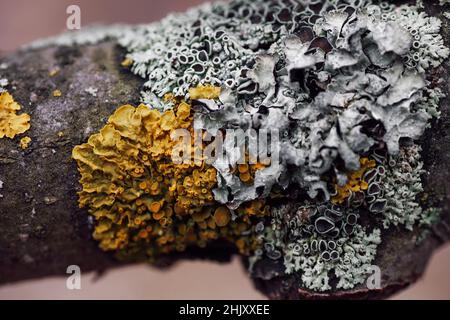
42	230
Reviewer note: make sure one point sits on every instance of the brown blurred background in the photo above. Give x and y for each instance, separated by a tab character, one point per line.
22	21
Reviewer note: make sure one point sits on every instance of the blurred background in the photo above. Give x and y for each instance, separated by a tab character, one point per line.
22	21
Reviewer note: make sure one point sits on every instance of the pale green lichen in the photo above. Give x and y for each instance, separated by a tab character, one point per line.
428	48
430	217
317	257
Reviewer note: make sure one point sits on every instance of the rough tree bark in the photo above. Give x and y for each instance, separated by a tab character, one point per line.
42	230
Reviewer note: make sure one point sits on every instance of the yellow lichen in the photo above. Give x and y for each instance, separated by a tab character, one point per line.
142	201
204	92
222	216
11	124
127	62
57	93
25	142
247	171
355	181
170	98
53	72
